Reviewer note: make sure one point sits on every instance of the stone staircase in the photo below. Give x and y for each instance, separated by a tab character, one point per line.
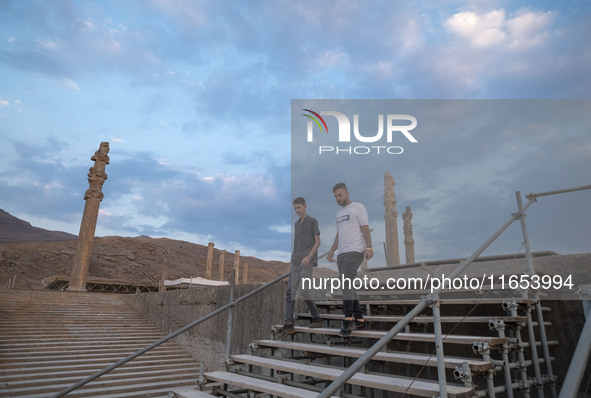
481	358
50	340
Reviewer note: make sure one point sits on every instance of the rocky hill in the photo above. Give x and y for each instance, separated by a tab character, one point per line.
140	260
13	230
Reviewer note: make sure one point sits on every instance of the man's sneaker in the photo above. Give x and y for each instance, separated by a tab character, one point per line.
286	331
360	324
348	327
316	323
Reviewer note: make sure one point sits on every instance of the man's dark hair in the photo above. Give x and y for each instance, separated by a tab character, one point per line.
299	201
339	186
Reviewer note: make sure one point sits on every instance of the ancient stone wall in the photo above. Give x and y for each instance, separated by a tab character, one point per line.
253	318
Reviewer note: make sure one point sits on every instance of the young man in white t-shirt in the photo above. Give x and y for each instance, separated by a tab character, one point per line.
353	242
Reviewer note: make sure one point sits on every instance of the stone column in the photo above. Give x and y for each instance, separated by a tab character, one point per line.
162	287
221	265
409	242
237	267
391	215
245	276
93	198
209	264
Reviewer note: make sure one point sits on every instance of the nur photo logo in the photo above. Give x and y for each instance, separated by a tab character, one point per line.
397	127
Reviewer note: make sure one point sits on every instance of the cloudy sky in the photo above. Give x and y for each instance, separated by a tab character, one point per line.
194	98
457	169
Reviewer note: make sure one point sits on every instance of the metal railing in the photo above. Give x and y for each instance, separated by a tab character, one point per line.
433	299
163	340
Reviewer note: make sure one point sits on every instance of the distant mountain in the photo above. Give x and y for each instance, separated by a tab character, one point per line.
15	230
29	255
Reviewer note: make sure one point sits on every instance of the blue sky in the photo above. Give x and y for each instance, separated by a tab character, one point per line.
194	98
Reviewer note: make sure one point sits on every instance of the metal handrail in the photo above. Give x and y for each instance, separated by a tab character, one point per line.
123	361
381	343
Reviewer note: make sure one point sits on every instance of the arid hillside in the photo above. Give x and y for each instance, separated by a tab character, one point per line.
14	230
139	260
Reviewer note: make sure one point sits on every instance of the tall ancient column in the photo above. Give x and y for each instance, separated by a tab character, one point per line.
391	215
221	264
209	263
93	198
237	267
409	242
165	268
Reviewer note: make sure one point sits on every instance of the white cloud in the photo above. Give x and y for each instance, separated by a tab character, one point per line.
250	185
494	28
483	46
105	213
48	45
480	30
284	229
529	29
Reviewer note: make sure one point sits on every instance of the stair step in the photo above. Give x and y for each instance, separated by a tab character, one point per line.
78	344
47	362
384	291
423	337
52	340
396	384
107	388
87	339
95	352
83	372
476	365
191	394
443	301
111	328
98	338
424	318
113	377
264	386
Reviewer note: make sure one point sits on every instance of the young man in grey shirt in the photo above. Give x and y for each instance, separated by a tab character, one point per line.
303	259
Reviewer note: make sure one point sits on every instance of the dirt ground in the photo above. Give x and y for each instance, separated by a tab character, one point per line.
129	260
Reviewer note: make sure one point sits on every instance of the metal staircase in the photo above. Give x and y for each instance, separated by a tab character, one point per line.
308	362
494	359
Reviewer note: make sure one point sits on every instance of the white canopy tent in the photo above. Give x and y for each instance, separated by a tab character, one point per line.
194	281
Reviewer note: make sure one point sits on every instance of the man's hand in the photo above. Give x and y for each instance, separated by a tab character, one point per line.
306	261
368	254
330	257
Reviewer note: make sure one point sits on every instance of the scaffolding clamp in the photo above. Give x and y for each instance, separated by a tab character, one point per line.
481	348
464	374
496	324
510	305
